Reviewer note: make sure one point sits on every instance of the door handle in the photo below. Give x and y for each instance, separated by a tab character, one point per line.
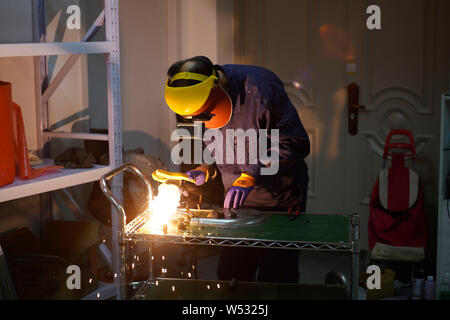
353	108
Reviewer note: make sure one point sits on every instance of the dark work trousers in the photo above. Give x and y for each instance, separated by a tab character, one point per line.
271	265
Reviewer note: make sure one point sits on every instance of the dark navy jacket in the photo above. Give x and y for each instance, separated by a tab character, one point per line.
261	102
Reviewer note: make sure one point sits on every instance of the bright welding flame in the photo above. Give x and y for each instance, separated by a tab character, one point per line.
164	206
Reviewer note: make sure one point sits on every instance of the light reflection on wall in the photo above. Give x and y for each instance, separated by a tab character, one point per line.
337	42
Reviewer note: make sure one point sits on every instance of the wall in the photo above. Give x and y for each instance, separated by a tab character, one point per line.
201	27
400	71
144	52
16	18
153	35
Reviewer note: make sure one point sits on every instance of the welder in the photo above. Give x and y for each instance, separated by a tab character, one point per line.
246	97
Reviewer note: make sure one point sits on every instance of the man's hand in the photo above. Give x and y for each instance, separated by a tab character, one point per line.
239	191
199	175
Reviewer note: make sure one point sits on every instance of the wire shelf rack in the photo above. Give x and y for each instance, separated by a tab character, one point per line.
241	242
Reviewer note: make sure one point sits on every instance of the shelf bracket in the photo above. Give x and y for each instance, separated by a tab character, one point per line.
90	34
73	206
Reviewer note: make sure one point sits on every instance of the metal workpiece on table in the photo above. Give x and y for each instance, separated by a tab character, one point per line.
222	218
227	218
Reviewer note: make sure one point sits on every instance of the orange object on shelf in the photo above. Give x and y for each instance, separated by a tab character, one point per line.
14	160
7	169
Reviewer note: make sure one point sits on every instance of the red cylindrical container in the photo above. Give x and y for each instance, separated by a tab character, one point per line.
7	163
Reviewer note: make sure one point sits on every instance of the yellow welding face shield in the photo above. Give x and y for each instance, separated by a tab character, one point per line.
204	97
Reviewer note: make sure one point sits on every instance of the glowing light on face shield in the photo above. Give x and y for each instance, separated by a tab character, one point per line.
164	206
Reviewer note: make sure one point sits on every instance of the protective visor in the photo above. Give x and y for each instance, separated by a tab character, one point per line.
205	96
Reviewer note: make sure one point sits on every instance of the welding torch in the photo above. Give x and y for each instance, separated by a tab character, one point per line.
181	180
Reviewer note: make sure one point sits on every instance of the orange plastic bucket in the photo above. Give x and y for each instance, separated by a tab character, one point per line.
13	145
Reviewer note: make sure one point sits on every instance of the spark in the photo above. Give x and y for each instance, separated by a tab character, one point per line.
163	207
296	84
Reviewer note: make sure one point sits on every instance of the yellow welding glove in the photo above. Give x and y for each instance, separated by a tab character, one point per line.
198	176
239	191
163	176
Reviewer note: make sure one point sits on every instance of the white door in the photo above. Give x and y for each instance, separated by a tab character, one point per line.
401	71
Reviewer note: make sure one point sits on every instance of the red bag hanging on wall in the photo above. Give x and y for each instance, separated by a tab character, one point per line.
14	160
397	225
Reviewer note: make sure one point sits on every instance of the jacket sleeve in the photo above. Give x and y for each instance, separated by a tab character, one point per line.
277	112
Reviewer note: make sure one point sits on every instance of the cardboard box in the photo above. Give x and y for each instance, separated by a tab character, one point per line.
386	283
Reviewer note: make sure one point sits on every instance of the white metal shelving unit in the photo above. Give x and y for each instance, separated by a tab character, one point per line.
55	48
108	18
71	177
50	182
443	254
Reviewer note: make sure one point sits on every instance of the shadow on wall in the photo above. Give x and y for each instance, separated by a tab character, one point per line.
57	146
152	147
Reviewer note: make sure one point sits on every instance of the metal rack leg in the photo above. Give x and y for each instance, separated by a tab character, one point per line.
150	261
118	254
118	221
115	137
355	255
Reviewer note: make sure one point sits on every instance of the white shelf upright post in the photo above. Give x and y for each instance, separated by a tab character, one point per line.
115	138
42	120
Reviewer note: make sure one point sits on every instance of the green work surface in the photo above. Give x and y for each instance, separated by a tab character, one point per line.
190	289
333	228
